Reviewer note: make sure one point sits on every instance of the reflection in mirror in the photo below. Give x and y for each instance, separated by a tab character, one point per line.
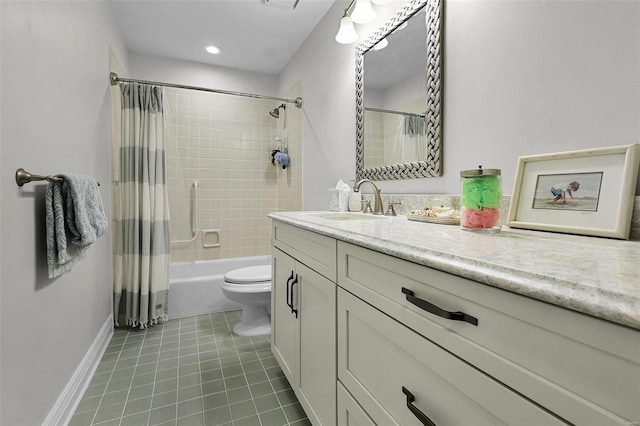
393	137
398	117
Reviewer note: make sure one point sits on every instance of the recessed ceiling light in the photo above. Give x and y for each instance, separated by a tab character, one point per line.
214	50
285	4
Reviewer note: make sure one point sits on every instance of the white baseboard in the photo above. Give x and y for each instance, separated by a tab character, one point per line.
72	394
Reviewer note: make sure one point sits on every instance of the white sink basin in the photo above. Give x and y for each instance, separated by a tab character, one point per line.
346	216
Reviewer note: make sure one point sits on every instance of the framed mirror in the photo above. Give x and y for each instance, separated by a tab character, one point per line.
398	117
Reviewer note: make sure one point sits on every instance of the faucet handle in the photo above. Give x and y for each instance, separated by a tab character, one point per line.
367	206
390	210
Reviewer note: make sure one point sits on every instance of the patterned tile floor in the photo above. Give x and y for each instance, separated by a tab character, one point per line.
190	371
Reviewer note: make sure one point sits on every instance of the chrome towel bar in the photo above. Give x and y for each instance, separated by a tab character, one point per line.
23	176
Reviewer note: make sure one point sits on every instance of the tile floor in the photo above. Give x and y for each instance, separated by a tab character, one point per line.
190	371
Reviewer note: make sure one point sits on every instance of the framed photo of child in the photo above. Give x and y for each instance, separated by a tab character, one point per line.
587	192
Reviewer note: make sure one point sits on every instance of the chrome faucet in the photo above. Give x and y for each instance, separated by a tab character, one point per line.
377	206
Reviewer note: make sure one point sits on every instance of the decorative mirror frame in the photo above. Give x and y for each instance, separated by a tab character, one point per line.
432	166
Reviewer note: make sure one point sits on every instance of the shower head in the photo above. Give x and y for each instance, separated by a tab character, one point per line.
275	113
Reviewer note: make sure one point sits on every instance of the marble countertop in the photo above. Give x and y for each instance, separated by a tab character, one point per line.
595	276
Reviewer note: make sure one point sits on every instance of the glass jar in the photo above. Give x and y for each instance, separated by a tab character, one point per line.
481	193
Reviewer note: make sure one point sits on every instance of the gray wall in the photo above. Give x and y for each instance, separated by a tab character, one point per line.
521	77
55	119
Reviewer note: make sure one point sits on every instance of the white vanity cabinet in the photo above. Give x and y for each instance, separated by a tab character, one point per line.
400	343
499	358
303	316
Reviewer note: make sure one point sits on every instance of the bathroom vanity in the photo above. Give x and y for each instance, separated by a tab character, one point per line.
380	320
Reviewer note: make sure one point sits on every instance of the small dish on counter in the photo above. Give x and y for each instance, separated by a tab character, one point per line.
441	215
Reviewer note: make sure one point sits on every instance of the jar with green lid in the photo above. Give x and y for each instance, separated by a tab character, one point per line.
481	193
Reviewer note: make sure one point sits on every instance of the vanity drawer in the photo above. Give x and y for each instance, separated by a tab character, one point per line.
316	251
382	363
349	411
583	369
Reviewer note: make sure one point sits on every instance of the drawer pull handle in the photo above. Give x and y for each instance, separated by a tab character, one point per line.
430	307
294	311
416	412
288	297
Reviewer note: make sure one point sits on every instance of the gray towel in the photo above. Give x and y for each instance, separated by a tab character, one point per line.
413	126
74	218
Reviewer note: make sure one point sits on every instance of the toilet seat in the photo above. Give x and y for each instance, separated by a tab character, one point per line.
249	275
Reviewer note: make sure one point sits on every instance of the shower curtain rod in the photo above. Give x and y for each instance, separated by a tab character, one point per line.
115	80
410	114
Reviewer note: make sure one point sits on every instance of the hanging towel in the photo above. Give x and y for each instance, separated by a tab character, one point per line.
75	219
413	126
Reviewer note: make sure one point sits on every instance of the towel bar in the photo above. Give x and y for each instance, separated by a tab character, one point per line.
23	176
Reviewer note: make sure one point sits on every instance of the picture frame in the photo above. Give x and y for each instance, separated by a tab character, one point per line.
585	192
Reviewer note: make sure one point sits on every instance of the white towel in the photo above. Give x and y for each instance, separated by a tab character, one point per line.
75	219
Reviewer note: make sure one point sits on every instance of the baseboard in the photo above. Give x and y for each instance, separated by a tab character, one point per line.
72	394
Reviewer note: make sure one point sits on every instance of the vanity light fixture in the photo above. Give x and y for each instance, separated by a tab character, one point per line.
363	13
401	27
358	11
381	44
347	33
214	50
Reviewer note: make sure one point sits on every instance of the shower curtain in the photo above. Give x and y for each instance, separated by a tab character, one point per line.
141	278
411	140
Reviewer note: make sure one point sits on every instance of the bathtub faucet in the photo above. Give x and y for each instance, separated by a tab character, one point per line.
377	207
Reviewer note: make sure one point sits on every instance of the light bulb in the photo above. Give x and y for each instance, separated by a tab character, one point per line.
381	44
363	13
347	33
402	26
382	1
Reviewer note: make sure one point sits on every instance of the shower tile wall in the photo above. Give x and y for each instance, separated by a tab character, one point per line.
225	143
390	126
374	134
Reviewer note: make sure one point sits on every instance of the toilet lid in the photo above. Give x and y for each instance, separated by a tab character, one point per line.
251	274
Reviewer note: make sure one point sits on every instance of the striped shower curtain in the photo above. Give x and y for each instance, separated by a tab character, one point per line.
141	276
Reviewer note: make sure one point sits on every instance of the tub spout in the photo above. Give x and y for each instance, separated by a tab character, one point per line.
377	207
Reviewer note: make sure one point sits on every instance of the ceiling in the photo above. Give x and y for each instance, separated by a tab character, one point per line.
405	55
255	35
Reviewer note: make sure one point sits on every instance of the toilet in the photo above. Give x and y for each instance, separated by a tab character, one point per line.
251	287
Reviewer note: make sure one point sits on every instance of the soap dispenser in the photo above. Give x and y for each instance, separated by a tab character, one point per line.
355	199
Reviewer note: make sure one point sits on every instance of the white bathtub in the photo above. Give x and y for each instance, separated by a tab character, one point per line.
195	287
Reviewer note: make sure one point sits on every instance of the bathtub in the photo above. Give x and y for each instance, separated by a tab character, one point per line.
195	287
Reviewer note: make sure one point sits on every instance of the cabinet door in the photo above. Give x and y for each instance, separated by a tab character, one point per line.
284	325
317	315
